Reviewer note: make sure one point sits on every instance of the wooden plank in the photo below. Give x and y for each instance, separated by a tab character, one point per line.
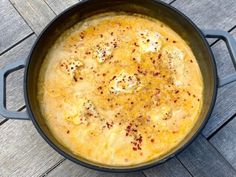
23	152
15	81
172	168
225	141
59	5
68	168
12	26
209	14
35	12
203	160
226	100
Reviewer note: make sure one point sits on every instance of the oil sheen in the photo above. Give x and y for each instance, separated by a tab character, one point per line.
120	89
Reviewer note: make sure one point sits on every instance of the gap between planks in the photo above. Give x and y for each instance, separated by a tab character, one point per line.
17	43
62	160
225	123
18	110
231	29
50	8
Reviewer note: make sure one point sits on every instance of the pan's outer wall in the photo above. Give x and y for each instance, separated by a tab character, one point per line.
155	9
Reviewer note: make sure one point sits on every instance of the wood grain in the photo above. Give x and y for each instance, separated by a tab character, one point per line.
15	98
73	170
203	160
225	141
172	168
226	100
35	12
12	26
23	152
209	14
60	5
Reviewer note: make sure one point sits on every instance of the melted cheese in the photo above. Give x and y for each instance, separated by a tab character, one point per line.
120	89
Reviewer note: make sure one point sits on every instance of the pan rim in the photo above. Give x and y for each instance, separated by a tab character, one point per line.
120	169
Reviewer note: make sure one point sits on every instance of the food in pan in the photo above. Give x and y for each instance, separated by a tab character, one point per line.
120	89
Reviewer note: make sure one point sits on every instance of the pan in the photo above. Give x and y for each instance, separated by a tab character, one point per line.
195	38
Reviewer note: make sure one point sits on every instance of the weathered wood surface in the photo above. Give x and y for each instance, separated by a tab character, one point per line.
172	168
23	151
225	141
209	14
12	27
225	106
74	170
35	12
15	98
202	159
59	5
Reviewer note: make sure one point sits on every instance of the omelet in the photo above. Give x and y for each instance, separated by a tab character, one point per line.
120	89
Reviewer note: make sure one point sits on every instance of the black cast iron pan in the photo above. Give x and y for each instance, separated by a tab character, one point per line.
156	9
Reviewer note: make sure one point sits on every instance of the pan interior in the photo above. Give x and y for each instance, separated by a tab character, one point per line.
150	8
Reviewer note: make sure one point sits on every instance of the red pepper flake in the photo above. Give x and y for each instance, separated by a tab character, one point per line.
191	61
81	35
80	78
167	39
104	74
128	129
152	140
133	50
177	91
115	45
174	41
68	131
175	101
159	55
198	99
156	73
131	102
109	125
75	79
136	44
188	93
135	149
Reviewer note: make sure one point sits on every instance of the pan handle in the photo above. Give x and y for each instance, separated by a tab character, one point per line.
231	46
4	72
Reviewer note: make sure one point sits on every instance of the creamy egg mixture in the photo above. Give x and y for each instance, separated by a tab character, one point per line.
120	89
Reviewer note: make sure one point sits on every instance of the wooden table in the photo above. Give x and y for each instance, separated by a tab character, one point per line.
24	153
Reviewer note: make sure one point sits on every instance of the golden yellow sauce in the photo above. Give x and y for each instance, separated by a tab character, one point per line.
120	89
